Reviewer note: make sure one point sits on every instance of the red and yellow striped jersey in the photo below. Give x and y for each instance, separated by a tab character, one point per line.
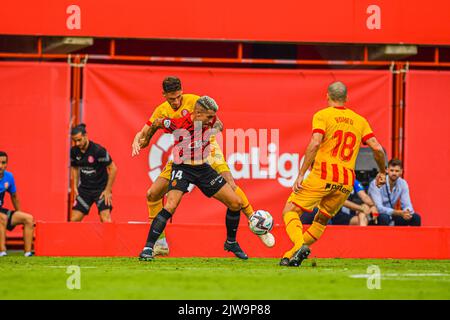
343	131
198	141
164	110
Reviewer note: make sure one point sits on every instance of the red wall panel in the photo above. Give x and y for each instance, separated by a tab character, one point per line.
345	21
122	239
427	144
120	99
35	111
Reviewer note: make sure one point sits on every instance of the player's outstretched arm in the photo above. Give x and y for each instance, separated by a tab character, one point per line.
379	156
138	140
143	137
310	155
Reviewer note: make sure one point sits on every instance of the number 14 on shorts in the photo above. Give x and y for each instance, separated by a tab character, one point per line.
177	174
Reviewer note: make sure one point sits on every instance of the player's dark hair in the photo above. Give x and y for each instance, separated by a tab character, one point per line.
81	128
4	154
171	84
395	162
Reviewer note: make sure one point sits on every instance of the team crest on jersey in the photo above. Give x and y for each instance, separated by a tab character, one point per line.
6	185
167	123
184	112
91	159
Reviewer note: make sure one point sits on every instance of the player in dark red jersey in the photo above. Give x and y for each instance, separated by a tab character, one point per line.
192	139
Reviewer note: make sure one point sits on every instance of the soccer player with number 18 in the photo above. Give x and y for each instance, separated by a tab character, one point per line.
336	139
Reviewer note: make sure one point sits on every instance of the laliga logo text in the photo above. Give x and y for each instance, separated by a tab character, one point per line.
250	154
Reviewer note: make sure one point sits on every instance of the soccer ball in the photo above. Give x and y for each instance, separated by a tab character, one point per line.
260	222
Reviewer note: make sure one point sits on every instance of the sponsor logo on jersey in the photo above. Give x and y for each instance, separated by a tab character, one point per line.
338	187
87	171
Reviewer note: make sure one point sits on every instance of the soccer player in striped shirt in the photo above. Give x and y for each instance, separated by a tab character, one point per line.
178	105
336	138
190	166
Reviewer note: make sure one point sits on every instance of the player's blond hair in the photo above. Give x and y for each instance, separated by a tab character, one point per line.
208	103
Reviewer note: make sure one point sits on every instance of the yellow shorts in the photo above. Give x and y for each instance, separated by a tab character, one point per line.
167	171
215	159
328	196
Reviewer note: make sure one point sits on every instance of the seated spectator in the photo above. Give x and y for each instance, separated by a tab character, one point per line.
9	219
387	196
357	210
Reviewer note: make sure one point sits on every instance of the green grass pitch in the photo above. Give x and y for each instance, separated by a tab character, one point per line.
217	278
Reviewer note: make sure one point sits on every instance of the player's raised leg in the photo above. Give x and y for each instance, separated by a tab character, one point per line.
159	223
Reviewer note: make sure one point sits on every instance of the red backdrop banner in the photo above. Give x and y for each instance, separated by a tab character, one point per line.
120	99
35	112
123	239
345	21
427	143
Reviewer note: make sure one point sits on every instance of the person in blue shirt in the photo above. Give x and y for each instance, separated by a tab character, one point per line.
385	198
9	219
